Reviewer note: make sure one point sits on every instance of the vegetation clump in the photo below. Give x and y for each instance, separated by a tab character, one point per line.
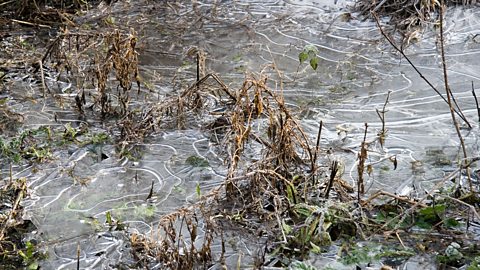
290	193
15	251
406	16
44	12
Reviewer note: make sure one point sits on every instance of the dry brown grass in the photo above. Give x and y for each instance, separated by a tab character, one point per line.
405	15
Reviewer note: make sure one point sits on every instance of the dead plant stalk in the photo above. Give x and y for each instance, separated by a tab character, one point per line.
458	111
362	158
449	98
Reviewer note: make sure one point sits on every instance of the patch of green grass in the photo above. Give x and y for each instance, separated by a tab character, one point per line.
430	216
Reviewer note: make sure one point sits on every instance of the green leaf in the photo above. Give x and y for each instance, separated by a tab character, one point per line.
303	56
110	20
304	209
311	49
451	222
291	193
237	58
286	228
432	211
25	258
30	249
475	264
109	218
314	63
197	189
315	249
33	266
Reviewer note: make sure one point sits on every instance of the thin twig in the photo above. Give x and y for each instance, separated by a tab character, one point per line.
42	75
317	148
457	111
381	114
332	178
400	239
13	211
471	207
362	157
202	80
476	101
78	256
395	196
31	24
447	90
6	3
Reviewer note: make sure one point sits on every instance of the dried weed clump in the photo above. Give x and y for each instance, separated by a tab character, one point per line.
406	15
92	59
13	249
275	186
282	184
182	241
43	12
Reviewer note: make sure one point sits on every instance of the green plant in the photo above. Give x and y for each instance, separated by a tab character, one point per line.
358	254
452	256
197	190
475	264
98	138
430	216
309	53
113	224
28	144
29	256
70	132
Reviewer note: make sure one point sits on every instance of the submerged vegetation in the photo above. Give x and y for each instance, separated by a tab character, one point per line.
282	186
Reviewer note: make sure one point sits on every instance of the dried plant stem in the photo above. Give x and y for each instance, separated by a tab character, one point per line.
78	256
476	102
317	148
44	85
458	111
362	157
194	87
15	207
449	98
332	178
381	114
470	207
395	196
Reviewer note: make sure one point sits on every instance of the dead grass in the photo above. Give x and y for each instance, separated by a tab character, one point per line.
406	16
